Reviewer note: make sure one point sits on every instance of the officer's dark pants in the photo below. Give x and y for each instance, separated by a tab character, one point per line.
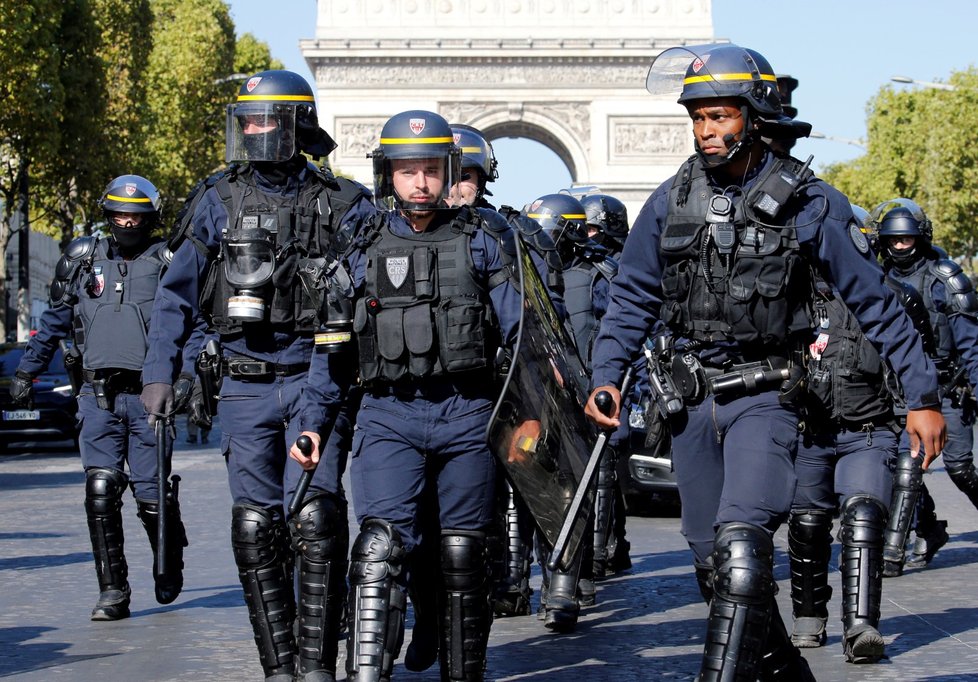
734	464
404	445
958	453
260	423
112	439
834	468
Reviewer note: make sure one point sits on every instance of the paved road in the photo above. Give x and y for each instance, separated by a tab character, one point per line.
648	624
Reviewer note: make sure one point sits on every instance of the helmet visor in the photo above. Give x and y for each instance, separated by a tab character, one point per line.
882	209
260	131
668	70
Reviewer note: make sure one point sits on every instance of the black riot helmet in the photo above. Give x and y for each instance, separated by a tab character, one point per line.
274	118
867	225
607	214
562	217
903	218
476	153
414	135
725	70
131	205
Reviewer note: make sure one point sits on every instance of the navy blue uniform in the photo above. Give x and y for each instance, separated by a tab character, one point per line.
725	474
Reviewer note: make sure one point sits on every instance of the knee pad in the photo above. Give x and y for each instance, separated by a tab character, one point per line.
319	530
257	537
908	474
863	521
378	553
464	560
744	559
103	491
810	534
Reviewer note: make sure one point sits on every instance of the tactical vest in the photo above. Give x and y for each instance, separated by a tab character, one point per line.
579	281
299	226
423	312
114	307
845	371
941	349
756	296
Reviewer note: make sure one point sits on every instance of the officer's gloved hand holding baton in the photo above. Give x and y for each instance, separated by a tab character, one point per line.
306	452
157	399
927	432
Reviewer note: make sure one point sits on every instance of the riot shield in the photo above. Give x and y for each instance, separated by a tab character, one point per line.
538	430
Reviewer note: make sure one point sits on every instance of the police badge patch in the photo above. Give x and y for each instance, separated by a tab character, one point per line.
417	125
858	238
97	285
397	270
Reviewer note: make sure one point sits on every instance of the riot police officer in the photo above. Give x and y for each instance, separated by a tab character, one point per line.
607	221
431	282
946	307
102	298
721	254
847	443
259	260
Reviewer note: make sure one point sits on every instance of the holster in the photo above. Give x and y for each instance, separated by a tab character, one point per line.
104	397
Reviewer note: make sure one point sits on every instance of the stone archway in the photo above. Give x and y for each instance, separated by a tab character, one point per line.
567	73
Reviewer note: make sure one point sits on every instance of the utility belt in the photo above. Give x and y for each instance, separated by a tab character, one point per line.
472	385
108	383
695	381
249	369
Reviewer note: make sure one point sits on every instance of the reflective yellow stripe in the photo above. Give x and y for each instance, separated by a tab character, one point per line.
276	98
728	77
568	216
131	200
470	150
416	140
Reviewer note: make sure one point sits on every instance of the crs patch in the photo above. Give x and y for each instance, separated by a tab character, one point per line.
252	83
130	188
397	270
97	285
417	125
858	238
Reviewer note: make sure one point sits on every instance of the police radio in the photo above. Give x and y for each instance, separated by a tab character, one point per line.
776	189
719	216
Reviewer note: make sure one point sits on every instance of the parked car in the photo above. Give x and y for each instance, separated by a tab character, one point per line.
54	414
648	482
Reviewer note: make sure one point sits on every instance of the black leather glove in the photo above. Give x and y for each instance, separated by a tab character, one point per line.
22	389
197	412
157	399
181	392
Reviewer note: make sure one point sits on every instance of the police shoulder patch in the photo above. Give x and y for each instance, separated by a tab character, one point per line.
858	238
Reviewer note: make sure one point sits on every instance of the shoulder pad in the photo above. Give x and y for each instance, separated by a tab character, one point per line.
66	271
607	266
80	248
496	226
961	295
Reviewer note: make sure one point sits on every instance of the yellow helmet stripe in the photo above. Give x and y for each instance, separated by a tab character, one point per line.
130	200
568	216
416	140
276	98
470	150
728	77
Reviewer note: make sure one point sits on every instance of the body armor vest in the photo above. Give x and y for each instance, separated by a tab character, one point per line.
756	294
423	312
114	306
299	228
845	372
579	281
935	328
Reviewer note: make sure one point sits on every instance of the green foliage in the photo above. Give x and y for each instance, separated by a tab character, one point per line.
252	55
916	149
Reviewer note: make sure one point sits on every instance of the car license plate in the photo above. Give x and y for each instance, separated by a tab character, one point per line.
21	415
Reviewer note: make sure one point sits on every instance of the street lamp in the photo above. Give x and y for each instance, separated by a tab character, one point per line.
847	140
923	84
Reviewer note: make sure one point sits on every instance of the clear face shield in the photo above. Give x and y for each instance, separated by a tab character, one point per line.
415	184
260	131
667	73
249	262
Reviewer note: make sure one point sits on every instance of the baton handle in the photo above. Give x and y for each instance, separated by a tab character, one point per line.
304	443
161	475
606	404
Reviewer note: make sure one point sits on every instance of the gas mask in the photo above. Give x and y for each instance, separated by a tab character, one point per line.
249	261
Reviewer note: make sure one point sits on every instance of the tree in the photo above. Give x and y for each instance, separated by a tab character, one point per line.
915	150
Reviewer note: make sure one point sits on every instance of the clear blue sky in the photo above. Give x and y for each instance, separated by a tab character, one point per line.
842	52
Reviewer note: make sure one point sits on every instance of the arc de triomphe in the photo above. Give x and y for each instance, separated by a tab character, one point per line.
567	73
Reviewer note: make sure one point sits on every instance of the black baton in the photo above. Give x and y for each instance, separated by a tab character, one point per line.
162	473
304	443
606	405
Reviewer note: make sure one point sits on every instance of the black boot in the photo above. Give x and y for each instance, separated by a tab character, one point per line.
964	475
930	531
170	582
320	538
781	660
425	589
466	615
907	481
704	580
103	507
743	599
562	605
809	550
512	593
261	549
587	594
604	507
376	604
863	522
